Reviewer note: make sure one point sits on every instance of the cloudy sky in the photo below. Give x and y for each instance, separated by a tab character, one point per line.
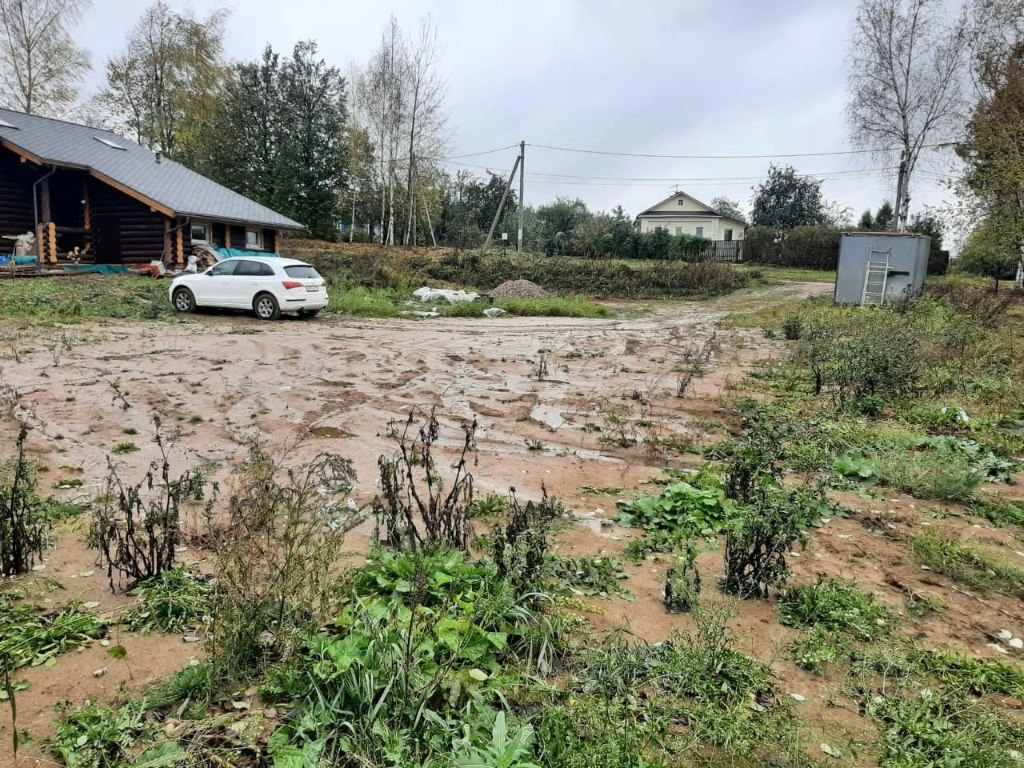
691	77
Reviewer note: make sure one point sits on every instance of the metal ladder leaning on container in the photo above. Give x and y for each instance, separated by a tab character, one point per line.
875	279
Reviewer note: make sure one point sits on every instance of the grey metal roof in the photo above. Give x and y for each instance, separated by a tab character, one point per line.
167	183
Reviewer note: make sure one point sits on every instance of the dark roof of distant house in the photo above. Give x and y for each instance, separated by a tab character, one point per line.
113	158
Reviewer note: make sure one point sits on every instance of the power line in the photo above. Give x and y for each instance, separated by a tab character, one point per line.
729	157
661	180
474	154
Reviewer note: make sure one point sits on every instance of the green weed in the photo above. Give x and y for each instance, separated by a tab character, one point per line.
31	637
968	564
176	600
95	737
124	448
834	605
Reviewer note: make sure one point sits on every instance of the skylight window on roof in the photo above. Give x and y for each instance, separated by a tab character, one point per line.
109	143
5	124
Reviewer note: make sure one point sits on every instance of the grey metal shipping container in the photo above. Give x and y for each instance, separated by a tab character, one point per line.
880	267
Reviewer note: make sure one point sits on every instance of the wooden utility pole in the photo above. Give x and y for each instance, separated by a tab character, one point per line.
501	205
522	206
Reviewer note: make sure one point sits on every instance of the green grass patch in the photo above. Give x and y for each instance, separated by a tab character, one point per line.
968	564
835	605
83	297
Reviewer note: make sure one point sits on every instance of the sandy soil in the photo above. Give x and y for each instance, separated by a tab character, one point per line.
332	385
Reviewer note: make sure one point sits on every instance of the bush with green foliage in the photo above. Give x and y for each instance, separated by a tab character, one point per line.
761	535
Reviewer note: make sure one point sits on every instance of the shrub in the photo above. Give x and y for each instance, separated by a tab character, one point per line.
24	524
792	327
137	528
807	247
519	544
681	508
759	537
284	528
404	498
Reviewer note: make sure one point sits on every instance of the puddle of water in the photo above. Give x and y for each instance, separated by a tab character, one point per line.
330	432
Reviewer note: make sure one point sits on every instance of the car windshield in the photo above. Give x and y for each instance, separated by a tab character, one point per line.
301	271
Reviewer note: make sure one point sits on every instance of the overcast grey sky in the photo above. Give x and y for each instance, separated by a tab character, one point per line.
697	77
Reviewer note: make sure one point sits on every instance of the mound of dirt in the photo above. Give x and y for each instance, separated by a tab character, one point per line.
519	289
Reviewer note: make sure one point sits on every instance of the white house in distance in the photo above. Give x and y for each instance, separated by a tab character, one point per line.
681	214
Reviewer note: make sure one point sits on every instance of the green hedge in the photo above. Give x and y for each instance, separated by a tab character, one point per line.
614	278
811	248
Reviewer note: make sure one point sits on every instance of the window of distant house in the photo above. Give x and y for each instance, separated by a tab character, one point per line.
681	201
657	229
200	232
727	235
253	239
699	231
679	230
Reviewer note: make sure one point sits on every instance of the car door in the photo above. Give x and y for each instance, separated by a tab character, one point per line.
250	278
214	287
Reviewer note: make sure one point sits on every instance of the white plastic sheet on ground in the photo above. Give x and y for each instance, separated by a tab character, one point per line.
437	295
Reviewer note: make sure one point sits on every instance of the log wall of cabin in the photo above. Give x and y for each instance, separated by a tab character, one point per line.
16	179
141	231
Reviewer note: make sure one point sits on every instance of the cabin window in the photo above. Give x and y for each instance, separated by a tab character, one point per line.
254	239
727	235
679	230
699	231
200	232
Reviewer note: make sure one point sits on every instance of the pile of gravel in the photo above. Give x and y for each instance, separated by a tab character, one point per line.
519	289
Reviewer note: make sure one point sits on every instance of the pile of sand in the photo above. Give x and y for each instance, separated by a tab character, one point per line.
519	289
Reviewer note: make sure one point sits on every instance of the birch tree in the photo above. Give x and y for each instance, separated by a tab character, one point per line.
400	103
426	113
906	83
40	65
166	84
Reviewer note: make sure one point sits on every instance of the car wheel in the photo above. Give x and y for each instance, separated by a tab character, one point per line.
184	301
266	307
309	312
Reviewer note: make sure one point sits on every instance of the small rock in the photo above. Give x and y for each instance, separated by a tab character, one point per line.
798	697
270	714
190	639
1016	643
925	568
40	567
1004	634
998	649
105	643
830	750
86	574
99	672
90	605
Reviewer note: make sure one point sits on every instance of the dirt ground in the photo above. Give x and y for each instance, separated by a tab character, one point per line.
333	384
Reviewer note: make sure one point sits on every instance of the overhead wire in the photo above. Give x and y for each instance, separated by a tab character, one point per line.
732	157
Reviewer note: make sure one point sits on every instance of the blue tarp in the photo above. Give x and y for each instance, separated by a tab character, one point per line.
241	253
97	269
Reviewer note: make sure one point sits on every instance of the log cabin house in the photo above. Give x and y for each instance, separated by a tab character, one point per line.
115	201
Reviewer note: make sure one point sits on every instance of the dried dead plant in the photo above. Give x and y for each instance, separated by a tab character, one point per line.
414	509
274	554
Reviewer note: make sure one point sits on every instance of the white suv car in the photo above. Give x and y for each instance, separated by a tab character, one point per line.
266	285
